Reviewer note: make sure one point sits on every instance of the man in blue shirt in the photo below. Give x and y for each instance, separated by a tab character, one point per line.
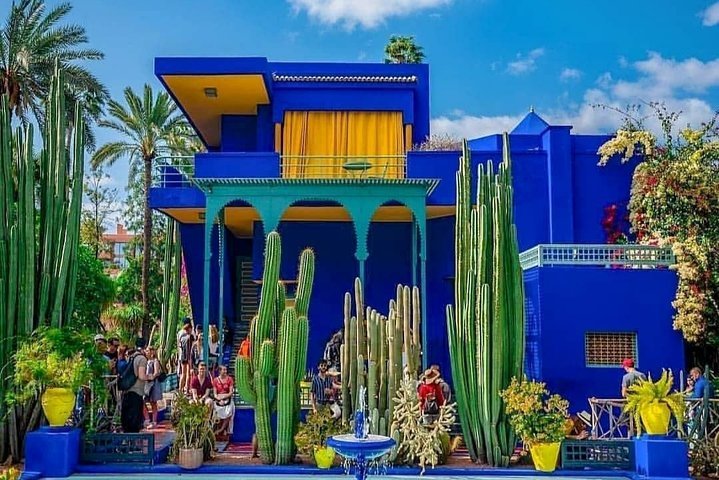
700	383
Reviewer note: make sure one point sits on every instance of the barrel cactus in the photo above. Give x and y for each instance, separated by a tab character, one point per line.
278	354
486	323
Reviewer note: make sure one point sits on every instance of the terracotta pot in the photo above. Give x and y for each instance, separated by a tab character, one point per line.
655	418
190	458
324	457
57	403
545	455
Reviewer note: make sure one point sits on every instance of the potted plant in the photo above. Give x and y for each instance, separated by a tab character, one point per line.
312	436
538	418
306	382
194	438
652	405
53	363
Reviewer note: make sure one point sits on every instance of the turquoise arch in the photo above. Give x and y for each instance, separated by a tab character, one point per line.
271	197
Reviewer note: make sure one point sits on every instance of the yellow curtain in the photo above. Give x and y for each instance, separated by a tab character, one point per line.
321	144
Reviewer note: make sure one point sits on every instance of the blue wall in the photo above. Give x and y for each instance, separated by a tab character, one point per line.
336	269
193	247
238	133
564	303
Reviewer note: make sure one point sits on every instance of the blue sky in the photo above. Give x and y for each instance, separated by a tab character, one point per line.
490	60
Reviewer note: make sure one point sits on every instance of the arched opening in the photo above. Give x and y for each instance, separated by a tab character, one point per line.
392	244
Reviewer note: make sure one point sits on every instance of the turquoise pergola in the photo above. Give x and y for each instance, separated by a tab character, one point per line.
361	197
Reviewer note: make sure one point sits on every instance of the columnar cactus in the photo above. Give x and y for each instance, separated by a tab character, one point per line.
486	325
278	352
374	350
37	285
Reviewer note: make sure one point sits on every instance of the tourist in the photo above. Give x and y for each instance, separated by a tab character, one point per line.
430	397
121	358
214	353
700	384
576	428
224	404
201	385
631	377
332	353
446	392
244	350
131	416
197	350
153	387
323	390
184	353
111	354
100	343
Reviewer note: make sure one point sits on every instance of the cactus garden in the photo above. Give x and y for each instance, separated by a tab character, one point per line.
251	266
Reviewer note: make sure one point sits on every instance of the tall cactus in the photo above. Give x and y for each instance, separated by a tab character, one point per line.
373	352
278	351
172	277
37	285
486	324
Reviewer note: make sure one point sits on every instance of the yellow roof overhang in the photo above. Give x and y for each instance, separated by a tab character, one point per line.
237	94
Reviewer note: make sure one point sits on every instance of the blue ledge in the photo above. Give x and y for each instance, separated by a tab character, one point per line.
311	470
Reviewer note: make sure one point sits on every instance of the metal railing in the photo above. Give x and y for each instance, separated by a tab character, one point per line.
609	421
175	171
616	256
344	166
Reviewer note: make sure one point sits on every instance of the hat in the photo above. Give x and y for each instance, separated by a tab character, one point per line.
628	363
100	337
430	375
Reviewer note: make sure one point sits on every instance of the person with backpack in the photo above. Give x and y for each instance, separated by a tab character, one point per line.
430	397
132	382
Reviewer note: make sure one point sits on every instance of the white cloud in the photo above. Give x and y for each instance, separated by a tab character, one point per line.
710	16
469	126
570	74
525	63
678	84
367	13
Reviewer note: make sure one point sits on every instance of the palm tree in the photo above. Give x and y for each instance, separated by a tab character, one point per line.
148	125
401	49
31	42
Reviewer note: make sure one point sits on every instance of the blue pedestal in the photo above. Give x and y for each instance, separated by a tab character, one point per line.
52	451
658	456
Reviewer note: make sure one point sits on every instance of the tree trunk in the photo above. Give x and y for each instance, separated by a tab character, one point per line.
146	248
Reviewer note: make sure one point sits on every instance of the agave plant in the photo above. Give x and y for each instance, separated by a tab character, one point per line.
648	393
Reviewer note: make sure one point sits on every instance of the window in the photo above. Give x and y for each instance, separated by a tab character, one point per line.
609	349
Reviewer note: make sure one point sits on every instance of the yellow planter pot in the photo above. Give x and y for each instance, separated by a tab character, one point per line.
57	403
324	457
545	456
655	418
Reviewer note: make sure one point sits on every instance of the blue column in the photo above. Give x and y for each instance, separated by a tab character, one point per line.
210	214
414	251
221	306
557	142
420	215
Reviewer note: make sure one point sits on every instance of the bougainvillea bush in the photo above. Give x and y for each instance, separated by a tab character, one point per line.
675	202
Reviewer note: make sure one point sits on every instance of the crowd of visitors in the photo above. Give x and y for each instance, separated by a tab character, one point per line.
138	378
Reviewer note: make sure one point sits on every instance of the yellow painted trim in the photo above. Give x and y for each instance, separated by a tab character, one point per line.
236	94
408	137
278	138
240	220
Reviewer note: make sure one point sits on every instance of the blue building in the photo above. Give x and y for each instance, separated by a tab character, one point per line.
324	154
